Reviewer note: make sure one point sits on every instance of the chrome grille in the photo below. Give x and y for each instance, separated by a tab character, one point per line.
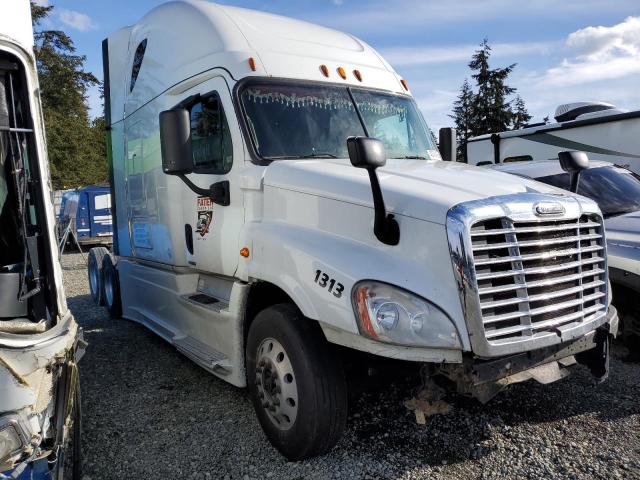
534	277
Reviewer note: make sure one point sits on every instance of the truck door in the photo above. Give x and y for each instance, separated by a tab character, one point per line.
101	215
83	219
211	231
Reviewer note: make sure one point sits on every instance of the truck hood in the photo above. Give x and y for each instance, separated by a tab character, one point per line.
416	188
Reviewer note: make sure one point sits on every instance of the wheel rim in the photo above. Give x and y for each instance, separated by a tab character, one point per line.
276	384
93	277
108	287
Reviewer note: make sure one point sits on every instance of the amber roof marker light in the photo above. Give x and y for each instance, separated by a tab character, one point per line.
342	73
404	83
358	75
252	64
324	70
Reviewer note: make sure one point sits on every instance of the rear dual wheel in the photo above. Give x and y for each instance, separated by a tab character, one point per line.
296	383
94	270
111	287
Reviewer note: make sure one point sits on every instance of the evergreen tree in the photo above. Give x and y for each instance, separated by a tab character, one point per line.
463	112
492	110
76	145
521	116
489	109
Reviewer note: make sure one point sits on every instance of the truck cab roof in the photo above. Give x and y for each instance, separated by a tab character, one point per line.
183	39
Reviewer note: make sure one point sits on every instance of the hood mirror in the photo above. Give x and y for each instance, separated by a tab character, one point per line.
369	153
573	163
448	145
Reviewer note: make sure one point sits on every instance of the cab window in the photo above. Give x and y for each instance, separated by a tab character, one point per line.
210	137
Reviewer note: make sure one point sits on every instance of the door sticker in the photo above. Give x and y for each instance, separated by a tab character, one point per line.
205	215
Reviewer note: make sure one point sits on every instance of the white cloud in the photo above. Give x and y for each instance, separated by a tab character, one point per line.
596	43
599	53
76	20
412	56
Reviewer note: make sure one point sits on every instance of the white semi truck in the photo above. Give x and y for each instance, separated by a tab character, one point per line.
40	342
262	229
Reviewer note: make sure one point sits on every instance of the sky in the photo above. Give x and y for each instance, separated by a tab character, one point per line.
565	50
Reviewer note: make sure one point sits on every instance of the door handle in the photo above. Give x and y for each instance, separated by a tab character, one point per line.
188	237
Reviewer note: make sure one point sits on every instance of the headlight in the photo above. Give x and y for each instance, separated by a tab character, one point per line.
10	441
393	315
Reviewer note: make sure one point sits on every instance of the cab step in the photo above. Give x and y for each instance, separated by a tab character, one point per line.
205	301
203	354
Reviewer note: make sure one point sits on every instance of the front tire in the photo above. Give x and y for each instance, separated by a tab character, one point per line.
111	287
296	383
69	463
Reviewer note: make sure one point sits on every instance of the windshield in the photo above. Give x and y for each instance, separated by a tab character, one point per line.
615	190
288	120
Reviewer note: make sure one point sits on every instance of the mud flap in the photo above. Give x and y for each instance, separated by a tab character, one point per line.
597	359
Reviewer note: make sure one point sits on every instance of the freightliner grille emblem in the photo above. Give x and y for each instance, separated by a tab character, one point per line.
548	208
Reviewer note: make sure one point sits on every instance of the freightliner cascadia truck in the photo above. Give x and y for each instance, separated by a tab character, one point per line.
279	203
40	342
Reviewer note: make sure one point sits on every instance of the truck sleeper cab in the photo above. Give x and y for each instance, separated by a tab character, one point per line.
245	236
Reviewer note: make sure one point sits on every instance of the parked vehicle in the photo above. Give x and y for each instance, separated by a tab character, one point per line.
259	225
617	192
601	130
89	211
40	342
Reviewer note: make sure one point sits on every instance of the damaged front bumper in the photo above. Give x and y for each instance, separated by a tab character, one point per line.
38	375
483	379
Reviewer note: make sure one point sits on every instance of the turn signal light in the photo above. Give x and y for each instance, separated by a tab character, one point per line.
361	305
244	252
252	64
358	75
342	73
324	70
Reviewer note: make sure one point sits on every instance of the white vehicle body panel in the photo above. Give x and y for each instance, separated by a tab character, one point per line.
31	364
611	138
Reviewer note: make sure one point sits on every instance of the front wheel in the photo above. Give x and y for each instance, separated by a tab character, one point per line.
69	463
296	383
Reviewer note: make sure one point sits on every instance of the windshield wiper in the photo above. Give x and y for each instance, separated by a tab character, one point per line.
413	157
319	155
310	155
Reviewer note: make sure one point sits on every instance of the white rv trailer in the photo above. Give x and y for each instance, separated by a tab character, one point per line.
246	236
39	338
601	130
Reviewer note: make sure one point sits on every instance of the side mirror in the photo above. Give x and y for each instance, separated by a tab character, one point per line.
369	153
573	163
177	154
448	144
365	152
175	142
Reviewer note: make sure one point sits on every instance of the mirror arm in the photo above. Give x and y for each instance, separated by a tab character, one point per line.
218	192
385	226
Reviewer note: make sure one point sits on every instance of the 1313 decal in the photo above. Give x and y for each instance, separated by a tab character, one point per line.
325	281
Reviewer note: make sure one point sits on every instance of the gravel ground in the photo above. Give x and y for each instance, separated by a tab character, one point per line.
149	412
